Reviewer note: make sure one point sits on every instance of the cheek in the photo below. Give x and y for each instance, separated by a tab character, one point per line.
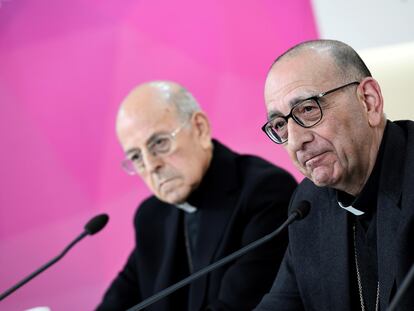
293	157
345	143
187	165
151	184
190	173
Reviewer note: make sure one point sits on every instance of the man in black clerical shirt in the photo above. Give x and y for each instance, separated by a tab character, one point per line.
208	202
355	247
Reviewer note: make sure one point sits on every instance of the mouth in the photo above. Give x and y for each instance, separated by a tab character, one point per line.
313	160
165	182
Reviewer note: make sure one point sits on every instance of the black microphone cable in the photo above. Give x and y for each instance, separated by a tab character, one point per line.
299	213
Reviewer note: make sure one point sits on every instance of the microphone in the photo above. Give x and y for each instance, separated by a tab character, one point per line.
401	291
299	213
93	226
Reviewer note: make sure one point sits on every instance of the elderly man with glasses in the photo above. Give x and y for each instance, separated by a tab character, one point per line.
355	247
208	202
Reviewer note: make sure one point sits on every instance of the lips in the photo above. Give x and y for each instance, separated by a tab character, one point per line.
168	184
165	181
311	158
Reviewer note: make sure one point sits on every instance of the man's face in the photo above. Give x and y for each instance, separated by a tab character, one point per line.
174	176
335	150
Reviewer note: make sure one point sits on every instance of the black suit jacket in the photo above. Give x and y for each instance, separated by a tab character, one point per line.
240	199
315	273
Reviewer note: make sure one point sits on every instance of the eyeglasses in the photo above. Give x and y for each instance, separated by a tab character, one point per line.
159	146
307	113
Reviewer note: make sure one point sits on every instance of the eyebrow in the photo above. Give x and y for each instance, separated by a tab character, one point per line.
276	113
272	114
131	151
148	142
292	103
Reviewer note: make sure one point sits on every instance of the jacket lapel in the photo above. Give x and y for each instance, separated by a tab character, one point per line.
216	204
387	227
334	256
166	269
389	212
213	224
334	247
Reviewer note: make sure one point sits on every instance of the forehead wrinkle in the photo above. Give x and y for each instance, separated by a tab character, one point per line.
278	89
303	69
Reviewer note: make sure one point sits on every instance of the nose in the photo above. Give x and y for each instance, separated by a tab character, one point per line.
298	136
152	162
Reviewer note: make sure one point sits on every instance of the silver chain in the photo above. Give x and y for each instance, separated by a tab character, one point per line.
361	296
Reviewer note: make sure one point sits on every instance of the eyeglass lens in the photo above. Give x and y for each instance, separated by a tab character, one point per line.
306	114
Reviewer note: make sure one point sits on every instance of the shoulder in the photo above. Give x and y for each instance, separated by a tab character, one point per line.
308	191
149	211
403	129
255	170
321	200
405	124
261	184
248	172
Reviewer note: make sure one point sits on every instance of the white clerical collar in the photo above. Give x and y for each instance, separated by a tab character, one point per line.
351	209
188	208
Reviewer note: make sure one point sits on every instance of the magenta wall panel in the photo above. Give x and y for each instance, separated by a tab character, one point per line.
64	68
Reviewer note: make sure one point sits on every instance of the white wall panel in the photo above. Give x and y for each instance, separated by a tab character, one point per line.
366	23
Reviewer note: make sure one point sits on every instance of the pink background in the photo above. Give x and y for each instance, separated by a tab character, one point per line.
64	68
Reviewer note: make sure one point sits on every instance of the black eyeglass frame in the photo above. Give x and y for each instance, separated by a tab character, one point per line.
267	127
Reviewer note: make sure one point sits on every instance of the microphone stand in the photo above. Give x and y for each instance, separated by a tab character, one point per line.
401	291
92	227
42	268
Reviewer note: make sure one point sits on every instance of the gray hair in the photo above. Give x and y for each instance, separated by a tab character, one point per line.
349	63
177	95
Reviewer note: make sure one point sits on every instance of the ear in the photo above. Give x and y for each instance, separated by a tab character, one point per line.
202	128
369	93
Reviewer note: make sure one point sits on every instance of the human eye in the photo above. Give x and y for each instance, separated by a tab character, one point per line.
279	124
307	110
136	158
161	144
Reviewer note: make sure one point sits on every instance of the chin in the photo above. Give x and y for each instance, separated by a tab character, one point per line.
319	183
174	197
325	176
322	180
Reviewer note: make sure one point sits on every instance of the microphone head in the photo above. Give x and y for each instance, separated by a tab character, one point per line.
302	210
96	224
